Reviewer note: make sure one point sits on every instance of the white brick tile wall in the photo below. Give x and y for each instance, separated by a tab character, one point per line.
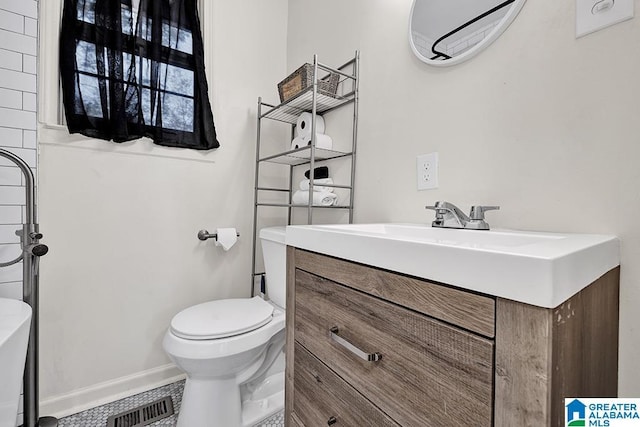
29	101
10	251
29	139
11	98
10	214
11	137
9	176
27	155
11	21
423	44
18	42
31	27
17	119
29	64
18	80
10	60
12	273
21	7
11	290
11	196
18	67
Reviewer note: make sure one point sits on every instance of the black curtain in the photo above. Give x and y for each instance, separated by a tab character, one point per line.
130	73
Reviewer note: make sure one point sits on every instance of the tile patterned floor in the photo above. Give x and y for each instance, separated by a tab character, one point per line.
276	420
97	417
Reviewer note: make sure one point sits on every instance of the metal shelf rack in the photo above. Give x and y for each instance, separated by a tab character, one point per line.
312	101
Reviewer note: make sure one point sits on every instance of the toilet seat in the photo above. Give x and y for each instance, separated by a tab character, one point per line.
222	318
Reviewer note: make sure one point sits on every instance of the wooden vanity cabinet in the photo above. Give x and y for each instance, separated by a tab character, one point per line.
368	347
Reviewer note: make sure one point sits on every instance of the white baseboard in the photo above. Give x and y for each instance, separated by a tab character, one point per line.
109	391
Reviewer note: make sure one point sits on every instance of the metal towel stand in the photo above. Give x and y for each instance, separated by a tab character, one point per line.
30	255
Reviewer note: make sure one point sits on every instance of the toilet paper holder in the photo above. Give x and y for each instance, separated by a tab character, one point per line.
204	235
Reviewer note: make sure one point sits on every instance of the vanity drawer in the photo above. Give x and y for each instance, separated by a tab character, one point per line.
294	421
430	373
470	311
322	398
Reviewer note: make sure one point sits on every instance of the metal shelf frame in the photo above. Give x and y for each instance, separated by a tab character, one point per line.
302	156
316	103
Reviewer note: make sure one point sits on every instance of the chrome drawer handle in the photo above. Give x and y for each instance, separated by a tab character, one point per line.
332	421
369	357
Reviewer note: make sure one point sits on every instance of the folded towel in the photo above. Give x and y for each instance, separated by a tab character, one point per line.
318	185
320	198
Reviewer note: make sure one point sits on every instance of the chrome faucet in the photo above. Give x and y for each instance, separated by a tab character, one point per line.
449	215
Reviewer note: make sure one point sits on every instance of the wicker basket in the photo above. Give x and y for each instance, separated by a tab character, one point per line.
302	78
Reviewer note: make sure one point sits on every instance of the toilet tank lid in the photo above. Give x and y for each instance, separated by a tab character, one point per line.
221	318
275	234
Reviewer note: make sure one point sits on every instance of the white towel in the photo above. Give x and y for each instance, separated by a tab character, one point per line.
320	198
318	185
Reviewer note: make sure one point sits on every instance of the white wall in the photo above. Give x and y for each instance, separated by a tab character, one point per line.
540	123
121	223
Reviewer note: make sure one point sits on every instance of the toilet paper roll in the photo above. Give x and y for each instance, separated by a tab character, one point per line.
303	125
227	237
297	143
322	141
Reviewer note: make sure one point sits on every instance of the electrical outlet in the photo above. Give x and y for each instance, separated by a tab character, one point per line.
427	171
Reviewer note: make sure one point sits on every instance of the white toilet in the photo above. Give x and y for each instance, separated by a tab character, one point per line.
233	350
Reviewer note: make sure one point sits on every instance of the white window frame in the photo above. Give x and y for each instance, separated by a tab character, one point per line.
52	129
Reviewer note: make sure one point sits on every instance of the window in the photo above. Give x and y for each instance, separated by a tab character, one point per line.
136	69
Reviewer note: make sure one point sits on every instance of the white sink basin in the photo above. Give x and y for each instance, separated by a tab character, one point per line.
542	269
15	321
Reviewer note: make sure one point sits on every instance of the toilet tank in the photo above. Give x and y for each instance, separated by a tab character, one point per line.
274	253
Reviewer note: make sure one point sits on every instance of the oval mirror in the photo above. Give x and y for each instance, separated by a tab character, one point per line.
447	32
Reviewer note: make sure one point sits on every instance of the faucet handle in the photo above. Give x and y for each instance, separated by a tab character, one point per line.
437	208
439	214
477	212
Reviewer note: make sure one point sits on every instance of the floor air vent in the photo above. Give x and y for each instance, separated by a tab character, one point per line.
143	415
